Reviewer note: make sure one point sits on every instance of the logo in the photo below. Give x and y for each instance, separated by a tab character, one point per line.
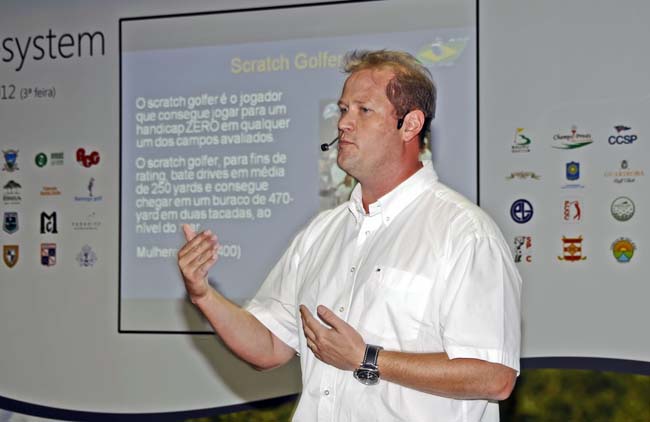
40	159
572	211
622	208
56	159
521	142
12	193
90	222
622	138
572	170
572	248
10	222
87	257
521	211
572	174
11	156
50	191
442	52
91	193
522	175
10	254
523	246
48	223
623	250
624	174
573	140
48	254
87	160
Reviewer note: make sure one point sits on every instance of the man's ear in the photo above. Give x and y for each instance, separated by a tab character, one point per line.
413	124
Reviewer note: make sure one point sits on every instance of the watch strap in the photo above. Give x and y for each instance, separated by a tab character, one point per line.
371	355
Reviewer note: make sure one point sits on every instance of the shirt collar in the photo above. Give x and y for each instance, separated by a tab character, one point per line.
391	204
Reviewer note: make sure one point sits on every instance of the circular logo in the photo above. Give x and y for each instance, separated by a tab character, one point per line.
623	250
41	159
521	211
622	208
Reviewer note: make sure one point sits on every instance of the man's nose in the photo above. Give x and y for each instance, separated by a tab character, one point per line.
346	122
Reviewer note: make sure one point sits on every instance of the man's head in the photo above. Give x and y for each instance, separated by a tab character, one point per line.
381	122
411	88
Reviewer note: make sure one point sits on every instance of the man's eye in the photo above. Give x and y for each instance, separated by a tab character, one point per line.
365	110
343	110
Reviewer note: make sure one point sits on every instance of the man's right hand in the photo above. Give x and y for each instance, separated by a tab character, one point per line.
244	334
195	259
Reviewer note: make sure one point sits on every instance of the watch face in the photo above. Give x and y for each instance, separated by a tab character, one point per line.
367	376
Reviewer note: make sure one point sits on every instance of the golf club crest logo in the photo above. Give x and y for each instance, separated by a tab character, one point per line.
11	160
523	246
571	211
523	175
625	174
87	257
40	160
521	211
572	249
623	250
10	222
572	140
521	142
11	195
622	208
48	254
10	255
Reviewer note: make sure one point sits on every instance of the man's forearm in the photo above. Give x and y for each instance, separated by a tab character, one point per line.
435	373
244	334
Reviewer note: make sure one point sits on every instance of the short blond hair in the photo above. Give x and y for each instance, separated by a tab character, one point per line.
412	87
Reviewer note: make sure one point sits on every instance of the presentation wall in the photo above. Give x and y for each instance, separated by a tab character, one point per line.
563	152
121	121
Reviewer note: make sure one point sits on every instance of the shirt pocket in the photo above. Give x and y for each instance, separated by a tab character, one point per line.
395	306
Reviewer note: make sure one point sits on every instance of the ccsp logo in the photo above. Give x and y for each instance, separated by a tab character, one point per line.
621	138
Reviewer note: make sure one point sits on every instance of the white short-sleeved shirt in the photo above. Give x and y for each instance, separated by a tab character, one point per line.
424	271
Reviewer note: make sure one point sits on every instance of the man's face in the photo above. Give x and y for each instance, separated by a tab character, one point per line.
368	125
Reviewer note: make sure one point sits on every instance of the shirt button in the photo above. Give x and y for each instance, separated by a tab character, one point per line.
367	232
326	392
352	269
341	309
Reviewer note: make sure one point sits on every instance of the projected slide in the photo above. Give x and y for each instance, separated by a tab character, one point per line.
226	137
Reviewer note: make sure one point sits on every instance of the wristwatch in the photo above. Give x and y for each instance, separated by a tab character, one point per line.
368	372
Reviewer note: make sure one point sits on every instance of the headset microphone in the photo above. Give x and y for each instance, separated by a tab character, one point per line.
325	147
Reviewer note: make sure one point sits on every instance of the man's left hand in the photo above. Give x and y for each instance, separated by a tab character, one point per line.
340	346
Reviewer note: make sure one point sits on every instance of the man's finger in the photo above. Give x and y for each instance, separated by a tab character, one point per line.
204	249
188	232
200	242
309	321
330	317
205	267
309	333
206	255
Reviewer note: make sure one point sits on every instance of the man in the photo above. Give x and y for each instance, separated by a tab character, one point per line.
408	277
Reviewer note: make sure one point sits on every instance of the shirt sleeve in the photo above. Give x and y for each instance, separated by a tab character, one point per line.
480	315
274	305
